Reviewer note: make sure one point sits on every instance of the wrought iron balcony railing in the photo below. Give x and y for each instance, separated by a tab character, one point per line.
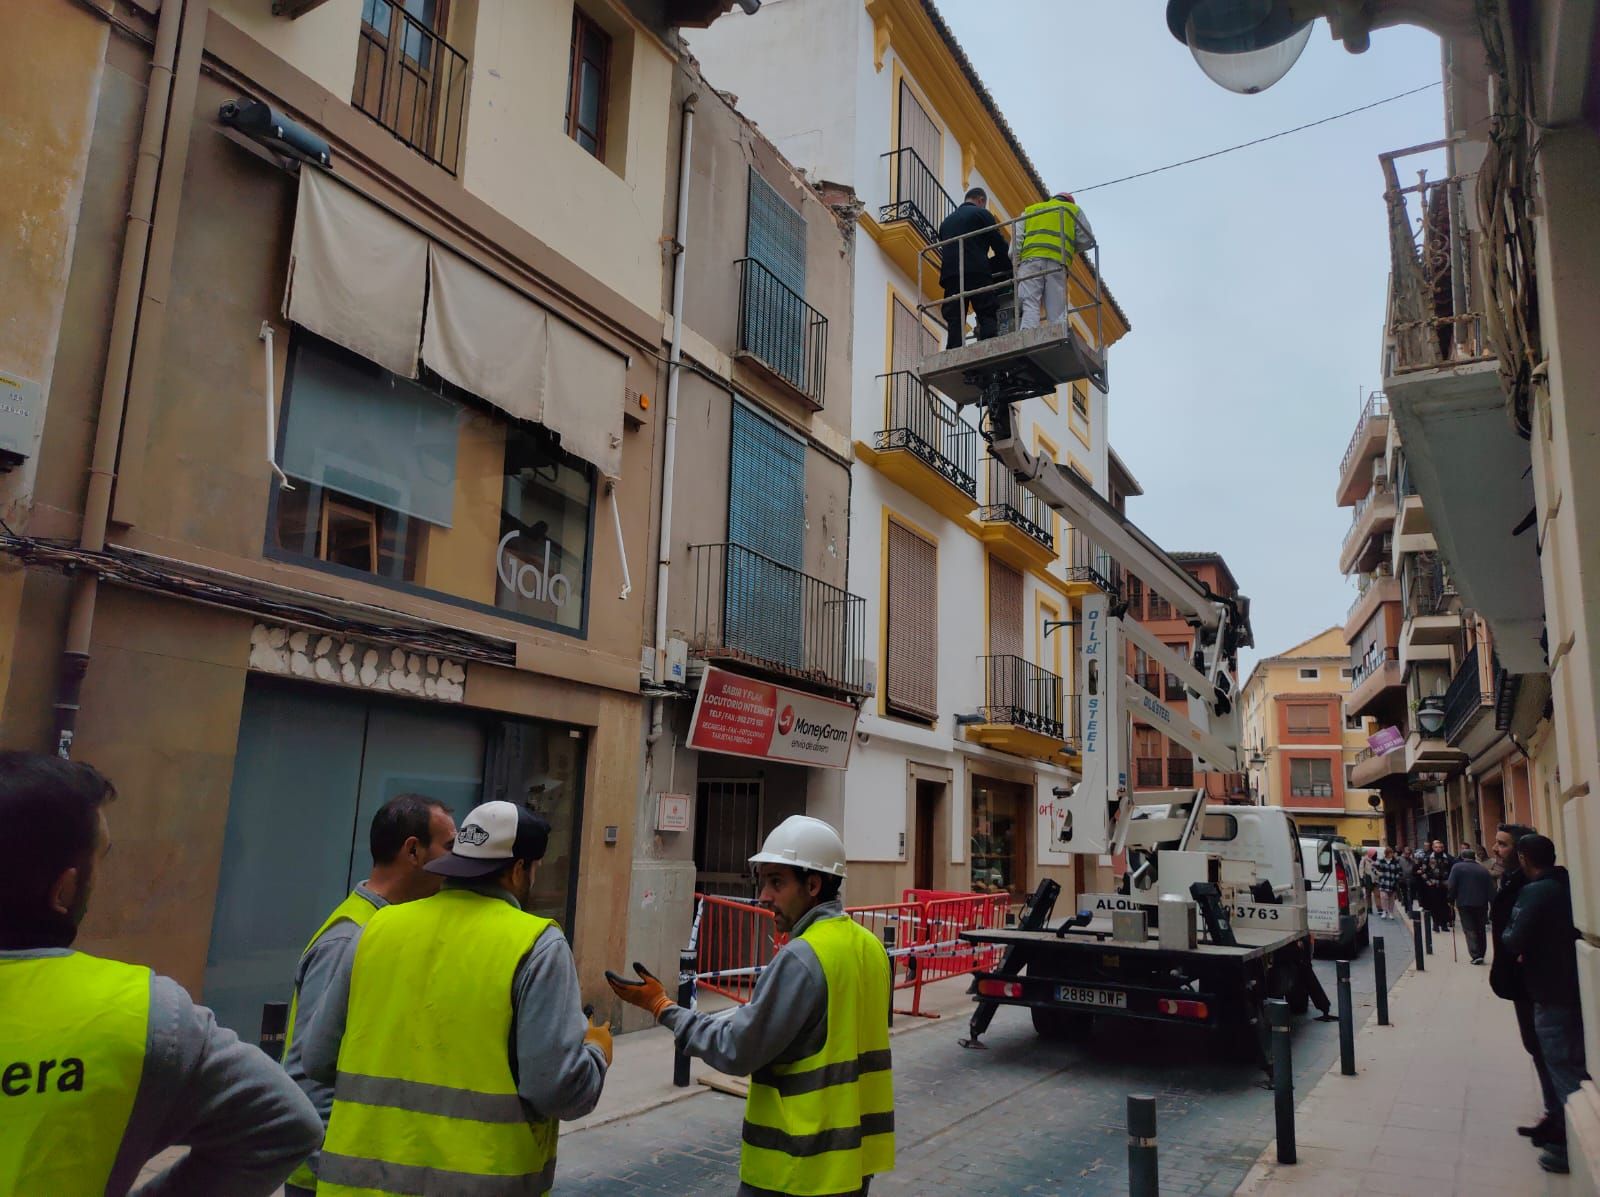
919	419
1465	696
1429	590
915	195
1376	659
1377	494
753	610
1090	563
781	330
411	81
1006	500
1022	694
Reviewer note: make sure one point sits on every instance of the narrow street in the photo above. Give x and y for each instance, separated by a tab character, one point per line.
1024	1117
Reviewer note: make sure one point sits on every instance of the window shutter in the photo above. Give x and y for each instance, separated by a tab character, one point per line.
910	340
918	131
911	665
765	603
1005	610
775	235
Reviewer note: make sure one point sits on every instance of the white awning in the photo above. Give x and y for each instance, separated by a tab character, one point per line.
357	274
584	389
485	337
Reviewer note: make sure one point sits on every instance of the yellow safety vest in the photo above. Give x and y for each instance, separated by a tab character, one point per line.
355	909
425	1101
825	1123
1043	226
73	1035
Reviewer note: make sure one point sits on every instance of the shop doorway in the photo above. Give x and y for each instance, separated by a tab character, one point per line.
1000	821
312	766
928	817
727	833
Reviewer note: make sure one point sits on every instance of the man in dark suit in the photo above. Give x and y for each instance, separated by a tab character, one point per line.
981	259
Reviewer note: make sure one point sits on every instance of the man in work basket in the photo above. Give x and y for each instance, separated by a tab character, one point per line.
814	1038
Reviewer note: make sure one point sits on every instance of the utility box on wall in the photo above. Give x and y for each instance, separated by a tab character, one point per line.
19	419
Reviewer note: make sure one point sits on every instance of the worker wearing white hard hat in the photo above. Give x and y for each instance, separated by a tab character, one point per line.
814	1037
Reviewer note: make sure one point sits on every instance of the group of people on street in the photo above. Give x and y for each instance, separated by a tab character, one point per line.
437	1033
974	270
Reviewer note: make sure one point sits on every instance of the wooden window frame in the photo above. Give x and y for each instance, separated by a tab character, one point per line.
1310	762
1321	708
583	27
389	86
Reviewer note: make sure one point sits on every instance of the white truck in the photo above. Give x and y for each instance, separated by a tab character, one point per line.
1138	952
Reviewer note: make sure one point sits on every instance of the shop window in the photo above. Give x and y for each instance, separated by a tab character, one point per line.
420	485
1311	777
998	846
588	84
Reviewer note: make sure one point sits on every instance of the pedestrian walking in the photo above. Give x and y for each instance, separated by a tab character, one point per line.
980	259
1470	889
407	832
1543	936
1386	877
1505	975
814	1038
453	1032
1433	871
1408	872
107	1064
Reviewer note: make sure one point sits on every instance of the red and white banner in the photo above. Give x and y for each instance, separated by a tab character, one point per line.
741	716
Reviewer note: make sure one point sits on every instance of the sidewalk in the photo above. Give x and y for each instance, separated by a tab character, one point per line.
1433	1107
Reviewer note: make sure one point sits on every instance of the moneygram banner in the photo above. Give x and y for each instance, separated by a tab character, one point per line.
741	716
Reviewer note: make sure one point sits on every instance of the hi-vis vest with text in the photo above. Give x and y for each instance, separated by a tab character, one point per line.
1043	227
73	1036
354	909
425	1101
824	1123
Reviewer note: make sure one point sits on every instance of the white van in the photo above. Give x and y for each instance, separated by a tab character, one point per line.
1336	905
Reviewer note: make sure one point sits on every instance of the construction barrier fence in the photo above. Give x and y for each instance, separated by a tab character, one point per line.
734	939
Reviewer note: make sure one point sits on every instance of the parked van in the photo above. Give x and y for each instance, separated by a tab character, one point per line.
1336	905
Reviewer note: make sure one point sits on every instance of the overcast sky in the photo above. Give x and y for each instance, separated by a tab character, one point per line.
1254	282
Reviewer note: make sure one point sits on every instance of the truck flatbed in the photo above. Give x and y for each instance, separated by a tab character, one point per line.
1096	936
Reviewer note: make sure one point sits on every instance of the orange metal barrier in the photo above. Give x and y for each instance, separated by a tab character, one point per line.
735	940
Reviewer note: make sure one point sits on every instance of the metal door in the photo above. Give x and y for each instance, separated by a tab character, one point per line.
727	833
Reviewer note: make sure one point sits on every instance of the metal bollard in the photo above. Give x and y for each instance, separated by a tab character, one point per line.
274	1028
1347	1024
1416	945
1380	977
888	946
1282	1077
687	963
1142	1169
1427	932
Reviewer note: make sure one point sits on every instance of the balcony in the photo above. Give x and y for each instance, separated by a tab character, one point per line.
1370	768
1091	567
1014	522
1023	709
925	446
411	81
1432	619
1466	457
781	334
1385	589
909	223
1363	547
1372	679
1366	444
771	619
1469	704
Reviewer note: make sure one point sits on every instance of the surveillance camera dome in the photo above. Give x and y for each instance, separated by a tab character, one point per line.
1243	45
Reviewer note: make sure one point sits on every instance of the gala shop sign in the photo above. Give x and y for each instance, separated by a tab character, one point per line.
741	716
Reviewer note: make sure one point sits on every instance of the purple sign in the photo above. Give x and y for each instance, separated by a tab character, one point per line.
1387	740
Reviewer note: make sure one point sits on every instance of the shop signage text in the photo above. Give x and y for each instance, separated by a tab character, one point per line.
672	812
529	580
1387	739
743	716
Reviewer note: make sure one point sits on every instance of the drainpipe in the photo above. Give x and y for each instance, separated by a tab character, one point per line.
119	358
680	238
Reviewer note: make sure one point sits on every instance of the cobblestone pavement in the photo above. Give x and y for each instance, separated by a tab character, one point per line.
1025	1117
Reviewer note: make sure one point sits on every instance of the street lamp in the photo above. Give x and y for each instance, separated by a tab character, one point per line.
1430	716
1248	45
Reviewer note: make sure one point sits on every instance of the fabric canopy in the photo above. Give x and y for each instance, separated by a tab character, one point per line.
584	389
357	274
485	337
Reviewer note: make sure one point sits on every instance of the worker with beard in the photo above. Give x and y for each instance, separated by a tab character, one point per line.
814	1037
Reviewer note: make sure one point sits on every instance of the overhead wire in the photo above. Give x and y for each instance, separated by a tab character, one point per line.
1244	145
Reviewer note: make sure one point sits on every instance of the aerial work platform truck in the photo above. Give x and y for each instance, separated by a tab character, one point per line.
1207	919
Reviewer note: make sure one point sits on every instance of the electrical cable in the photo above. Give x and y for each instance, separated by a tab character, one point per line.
1243	145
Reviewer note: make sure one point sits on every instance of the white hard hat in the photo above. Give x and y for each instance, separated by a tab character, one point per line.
803	843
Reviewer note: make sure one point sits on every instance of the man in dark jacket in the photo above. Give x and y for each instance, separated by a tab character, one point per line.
1470	889
1505	974
1544	938
1433	872
983	258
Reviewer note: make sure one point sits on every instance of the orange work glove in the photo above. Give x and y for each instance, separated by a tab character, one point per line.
598	1034
647	994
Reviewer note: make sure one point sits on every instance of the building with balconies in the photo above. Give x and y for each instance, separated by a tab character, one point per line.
970	584
1303	744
